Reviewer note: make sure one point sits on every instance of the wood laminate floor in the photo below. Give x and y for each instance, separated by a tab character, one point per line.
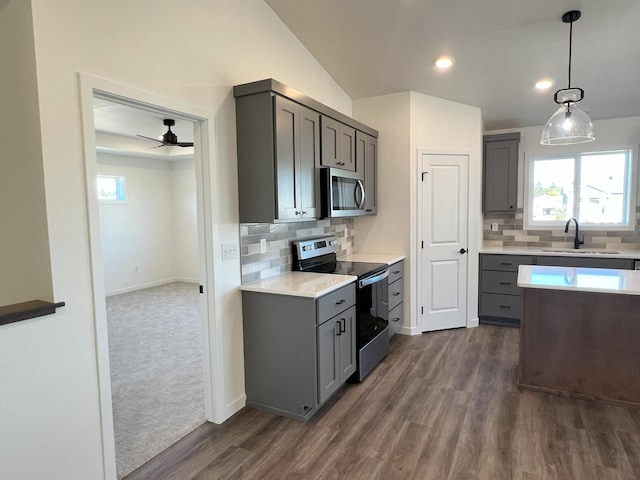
442	405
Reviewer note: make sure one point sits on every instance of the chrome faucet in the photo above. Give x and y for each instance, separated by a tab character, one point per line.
576	241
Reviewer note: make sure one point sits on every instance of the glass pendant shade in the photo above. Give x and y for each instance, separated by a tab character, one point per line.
567	126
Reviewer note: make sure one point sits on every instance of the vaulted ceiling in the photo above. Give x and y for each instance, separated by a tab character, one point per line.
501	48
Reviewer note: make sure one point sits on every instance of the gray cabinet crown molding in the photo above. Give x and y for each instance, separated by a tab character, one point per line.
271	85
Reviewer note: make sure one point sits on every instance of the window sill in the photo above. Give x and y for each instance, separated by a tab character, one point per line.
26	310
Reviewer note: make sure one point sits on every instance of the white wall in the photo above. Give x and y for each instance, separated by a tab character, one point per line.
152	238
193	52
412	121
185	222
610	134
25	268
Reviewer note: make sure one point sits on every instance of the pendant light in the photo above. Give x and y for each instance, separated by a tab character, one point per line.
569	124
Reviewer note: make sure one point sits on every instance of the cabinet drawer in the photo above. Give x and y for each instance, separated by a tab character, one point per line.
507	263
335	302
396	293
505	283
396	271
396	318
493	305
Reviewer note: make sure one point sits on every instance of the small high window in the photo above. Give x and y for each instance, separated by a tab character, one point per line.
597	188
111	189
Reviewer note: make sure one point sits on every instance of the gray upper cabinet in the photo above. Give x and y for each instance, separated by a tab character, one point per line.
338	145
284	140
278	150
500	172
367	162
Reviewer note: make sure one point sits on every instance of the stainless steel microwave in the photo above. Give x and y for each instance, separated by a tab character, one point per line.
342	192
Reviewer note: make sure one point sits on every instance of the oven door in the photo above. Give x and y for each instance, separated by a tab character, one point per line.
342	193
372	316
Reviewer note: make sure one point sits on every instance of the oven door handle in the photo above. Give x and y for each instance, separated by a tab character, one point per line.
376	278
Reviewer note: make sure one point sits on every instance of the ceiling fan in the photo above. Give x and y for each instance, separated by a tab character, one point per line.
169	138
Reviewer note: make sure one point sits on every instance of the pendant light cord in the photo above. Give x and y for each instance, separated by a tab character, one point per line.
570	41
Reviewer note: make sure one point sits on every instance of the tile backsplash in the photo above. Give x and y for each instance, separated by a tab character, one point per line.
277	259
511	233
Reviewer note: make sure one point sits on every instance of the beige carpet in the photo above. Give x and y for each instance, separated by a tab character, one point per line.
156	357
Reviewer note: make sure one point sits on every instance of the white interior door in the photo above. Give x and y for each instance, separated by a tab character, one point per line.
444	220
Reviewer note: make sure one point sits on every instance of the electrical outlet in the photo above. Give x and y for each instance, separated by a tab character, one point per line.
263	245
494	227
229	251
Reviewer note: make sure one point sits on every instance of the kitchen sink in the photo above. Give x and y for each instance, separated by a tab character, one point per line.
574	251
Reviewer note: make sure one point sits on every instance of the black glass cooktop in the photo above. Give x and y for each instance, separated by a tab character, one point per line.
359	269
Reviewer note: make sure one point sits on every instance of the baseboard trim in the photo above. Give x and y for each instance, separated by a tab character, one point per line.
232	408
409	331
157	283
473	322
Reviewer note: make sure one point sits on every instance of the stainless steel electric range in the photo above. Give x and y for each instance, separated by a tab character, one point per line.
372	336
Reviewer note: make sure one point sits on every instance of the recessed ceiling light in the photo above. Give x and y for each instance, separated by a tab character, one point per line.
444	62
544	84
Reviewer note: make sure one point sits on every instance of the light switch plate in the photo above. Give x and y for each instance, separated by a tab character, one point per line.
229	251
263	245
494	227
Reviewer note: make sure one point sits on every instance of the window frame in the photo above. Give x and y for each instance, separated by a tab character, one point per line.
630	202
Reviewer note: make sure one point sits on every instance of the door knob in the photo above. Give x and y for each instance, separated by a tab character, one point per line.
462	250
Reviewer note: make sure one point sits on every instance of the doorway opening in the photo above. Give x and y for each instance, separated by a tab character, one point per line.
152	270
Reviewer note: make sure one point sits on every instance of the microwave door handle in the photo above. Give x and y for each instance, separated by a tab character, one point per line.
360	203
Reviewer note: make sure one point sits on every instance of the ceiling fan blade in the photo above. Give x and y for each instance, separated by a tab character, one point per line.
150	138
184	144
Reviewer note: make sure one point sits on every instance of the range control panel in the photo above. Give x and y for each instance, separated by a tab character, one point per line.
314	247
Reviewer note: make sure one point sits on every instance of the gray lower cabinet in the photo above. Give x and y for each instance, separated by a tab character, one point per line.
587	262
500	172
338	144
336	352
297	350
392	295
500	297
278	152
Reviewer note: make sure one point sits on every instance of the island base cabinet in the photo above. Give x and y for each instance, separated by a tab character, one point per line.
583	344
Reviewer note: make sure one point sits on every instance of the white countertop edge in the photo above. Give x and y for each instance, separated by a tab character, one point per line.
579	279
559	252
293	284
388	258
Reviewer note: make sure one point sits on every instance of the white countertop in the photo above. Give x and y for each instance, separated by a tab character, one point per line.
578	279
388	258
300	284
564	252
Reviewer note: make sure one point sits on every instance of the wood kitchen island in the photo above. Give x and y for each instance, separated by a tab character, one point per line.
580	332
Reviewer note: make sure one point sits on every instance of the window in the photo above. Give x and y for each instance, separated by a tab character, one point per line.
111	189
597	188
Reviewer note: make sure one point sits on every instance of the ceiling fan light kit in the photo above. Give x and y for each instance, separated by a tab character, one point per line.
169	138
570	124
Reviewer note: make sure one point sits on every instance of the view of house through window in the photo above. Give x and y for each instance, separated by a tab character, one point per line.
111	189
593	187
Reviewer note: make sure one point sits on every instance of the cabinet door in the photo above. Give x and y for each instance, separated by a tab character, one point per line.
366	158
371	176
287	122
500	175
309	160
347	148
328	358
347	344
338	145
